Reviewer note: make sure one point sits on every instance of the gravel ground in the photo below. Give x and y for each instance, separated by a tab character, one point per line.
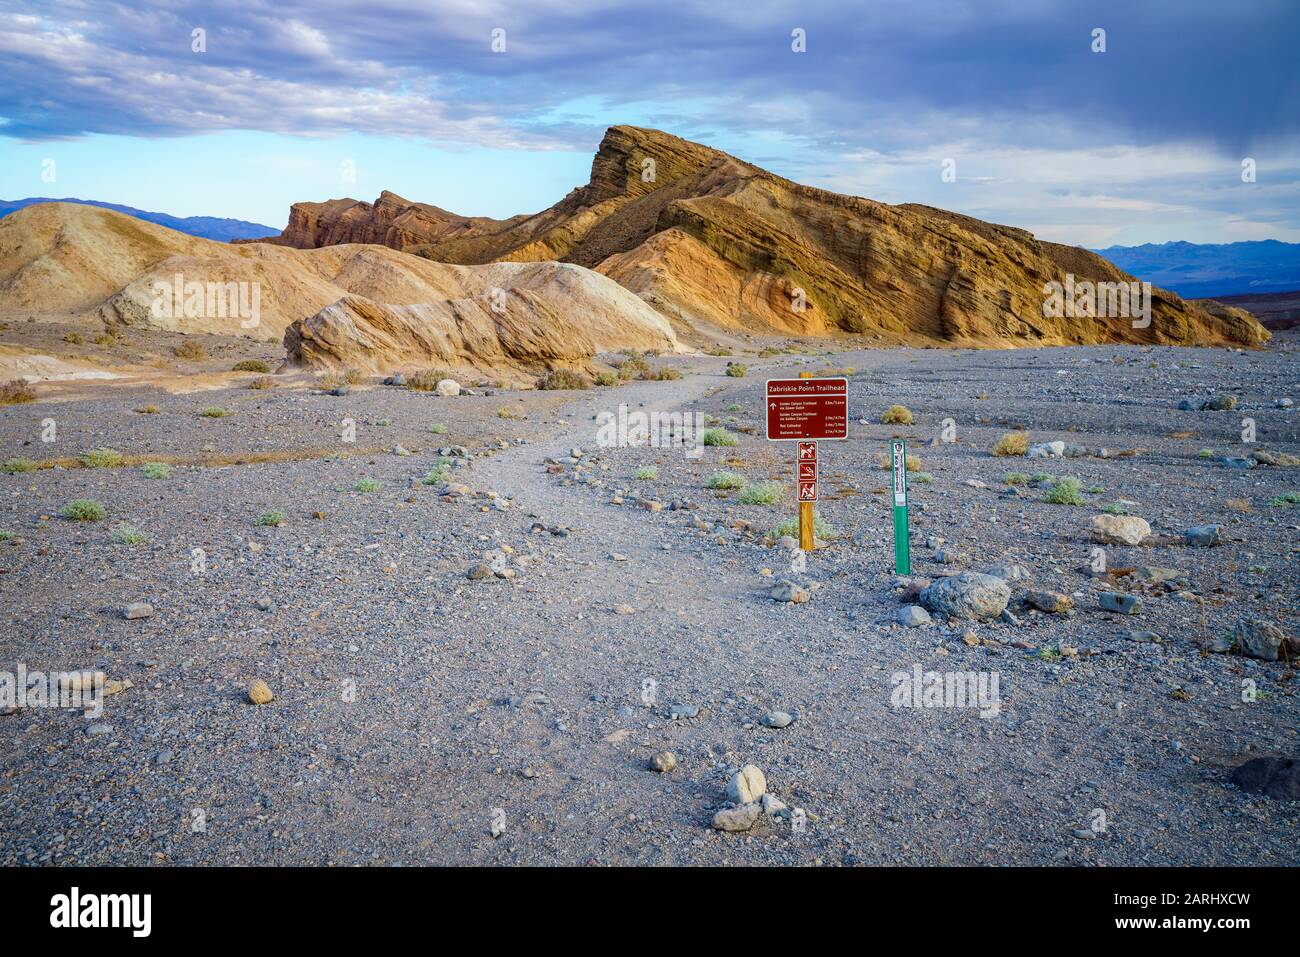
415	708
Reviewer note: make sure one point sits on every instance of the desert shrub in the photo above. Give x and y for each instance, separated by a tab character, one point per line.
18	464
74	338
791	527
271	519
105	339
156	470
216	412
128	535
251	365
262	382
558	379
1015	478
84	510
661	374
505	412
1095	489
719	351
1205	454
631	365
438	474
190	349
7	536
102	459
1114	508
897	415
1038	478
1286	498
737	370
719	436
426	380
910	462
607	378
735	407
647	473
1013	443
16	392
148	410
367	485
763	493
1064	492
437	428
924	478
726	480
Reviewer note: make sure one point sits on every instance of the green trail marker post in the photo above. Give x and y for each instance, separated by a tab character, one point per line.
902	540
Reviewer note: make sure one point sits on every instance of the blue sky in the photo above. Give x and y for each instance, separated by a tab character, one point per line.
1141	143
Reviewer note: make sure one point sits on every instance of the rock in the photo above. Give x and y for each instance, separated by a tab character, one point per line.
787	543
737	818
1203	536
259	693
1119	603
1220	403
265	604
1257	638
909	589
1046	450
912	616
1009	573
1237	462
1145	637
1187	405
663	762
137	609
786	590
624	610
95	730
774	807
949	556
1050	601
1284	403
479	572
1270	775
1279	459
1156	575
447	387
682	711
746	785
967	595
1119	529
933	542
776	719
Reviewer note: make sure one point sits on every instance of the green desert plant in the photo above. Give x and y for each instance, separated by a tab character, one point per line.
897	415
15	465
719	436
216	412
726	480
84	510
1286	498
156	470
102	459
607	378
737	370
148	410
438	428
1015	478
367	485
128	535
1064	492
438	474
271	519
646	473
763	493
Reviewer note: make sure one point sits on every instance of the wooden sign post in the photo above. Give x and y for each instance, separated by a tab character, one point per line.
806	411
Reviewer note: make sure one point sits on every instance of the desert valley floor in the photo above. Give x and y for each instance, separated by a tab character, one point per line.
416	707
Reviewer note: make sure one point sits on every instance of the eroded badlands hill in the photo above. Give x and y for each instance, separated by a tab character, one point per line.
343	302
710	240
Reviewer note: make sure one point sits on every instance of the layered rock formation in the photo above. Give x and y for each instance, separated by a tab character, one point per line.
358	305
390	221
718	244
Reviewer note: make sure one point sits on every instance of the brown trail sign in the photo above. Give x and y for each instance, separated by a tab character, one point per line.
807	410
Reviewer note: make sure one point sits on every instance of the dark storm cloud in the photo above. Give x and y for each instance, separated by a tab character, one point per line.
888	75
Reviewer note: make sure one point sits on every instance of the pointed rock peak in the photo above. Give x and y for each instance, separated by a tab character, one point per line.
633	160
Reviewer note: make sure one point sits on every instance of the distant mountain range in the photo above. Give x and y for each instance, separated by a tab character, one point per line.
207	227
1204	271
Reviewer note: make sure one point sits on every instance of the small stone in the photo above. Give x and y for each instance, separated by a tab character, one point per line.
967	595
1258	638
774	807
265	604
1119	603
737	818
625	610
746	785
1203	536
478	572
682	711
1238	462
776	719
400	450
448	387
663	762
786	590
1220	403
137	609
1009	573
1119	529
1046	450
912	616
259	693
95	730
1270	775
1050	601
